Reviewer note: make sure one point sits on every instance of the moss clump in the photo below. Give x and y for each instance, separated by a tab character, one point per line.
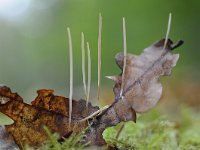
155	132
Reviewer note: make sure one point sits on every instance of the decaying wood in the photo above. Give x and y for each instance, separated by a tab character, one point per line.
141	92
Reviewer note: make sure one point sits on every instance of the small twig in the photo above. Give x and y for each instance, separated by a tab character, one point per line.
83	63
71	75
177	44
89	73
168	30
125	53
98	112
99	56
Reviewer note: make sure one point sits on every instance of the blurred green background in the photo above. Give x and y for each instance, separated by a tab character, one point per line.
34	47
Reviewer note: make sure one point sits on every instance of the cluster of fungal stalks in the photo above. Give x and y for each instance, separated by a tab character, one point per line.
137	89
119	80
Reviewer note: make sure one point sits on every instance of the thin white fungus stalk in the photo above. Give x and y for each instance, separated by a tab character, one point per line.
89	73
99	56
125	53
168	30
95	113
71	75
83	63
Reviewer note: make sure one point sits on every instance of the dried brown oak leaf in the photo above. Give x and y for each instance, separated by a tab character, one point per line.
47	110
140	93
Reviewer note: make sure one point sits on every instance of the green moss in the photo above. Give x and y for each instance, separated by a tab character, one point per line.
71	143
153	131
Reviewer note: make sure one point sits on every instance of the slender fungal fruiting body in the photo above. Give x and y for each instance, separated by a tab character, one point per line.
99	56
83	63
89	72
71	75
125	52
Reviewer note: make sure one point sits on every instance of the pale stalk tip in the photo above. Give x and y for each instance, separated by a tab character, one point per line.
168	30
